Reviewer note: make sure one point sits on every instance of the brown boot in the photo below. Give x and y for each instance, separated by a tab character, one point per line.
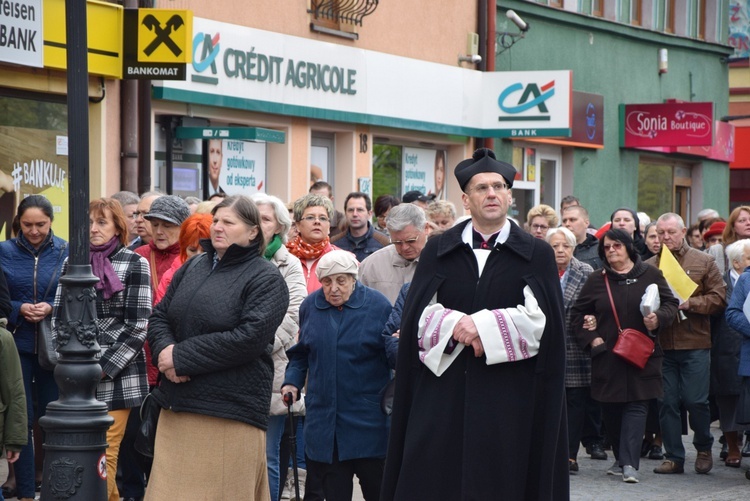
734	456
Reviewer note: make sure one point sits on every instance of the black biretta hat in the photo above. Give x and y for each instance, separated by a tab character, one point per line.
483	160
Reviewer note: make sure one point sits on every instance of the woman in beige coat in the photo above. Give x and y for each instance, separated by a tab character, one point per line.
275	224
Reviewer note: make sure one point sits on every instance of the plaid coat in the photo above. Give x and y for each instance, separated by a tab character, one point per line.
578	370
121	323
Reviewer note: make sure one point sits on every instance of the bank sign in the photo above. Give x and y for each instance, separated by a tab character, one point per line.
666	124
21	32
250	69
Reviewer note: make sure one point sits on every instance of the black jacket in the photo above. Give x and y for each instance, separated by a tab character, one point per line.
222	322
588	252
725	352
481	431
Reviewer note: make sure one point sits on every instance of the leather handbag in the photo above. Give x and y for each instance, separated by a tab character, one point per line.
46	345
632	345
145	438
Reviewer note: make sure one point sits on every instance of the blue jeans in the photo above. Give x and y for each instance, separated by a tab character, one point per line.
686	376
45	389
273	441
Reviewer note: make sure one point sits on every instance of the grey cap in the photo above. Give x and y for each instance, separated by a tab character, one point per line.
169	208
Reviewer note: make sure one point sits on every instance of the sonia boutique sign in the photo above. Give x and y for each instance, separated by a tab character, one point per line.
666	124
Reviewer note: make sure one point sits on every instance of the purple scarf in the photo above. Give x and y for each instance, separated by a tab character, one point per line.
109	283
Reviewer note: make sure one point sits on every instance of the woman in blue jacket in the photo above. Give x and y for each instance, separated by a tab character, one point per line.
32	264
341	346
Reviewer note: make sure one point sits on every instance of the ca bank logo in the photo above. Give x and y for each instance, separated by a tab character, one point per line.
517	98
205	50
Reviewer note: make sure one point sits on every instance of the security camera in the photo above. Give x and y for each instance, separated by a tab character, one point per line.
522	25
470	58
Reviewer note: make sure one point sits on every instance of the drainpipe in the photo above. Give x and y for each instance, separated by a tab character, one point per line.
144	127
487	50
129	128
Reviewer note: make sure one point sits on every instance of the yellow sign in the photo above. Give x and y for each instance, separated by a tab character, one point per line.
165	36
104	22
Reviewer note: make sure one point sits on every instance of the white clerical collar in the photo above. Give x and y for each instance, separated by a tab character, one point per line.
468	234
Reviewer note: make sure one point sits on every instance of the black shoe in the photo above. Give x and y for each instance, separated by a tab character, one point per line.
724	451
597	451
655	452
573	465
746	450
8	492
645	447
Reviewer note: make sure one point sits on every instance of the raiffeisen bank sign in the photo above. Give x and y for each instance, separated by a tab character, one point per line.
245	68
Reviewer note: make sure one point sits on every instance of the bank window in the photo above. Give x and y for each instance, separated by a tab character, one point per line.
33	156
386	170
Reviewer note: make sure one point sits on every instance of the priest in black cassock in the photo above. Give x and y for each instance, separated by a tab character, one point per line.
479	407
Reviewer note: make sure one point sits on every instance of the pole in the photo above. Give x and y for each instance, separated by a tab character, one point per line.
76	425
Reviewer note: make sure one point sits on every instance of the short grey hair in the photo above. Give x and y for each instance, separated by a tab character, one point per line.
126	198
672	215
311	200
279	210
192	200
152	193
734	251
569	237
404	215
707	214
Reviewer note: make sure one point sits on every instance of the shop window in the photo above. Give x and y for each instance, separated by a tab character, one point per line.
655	189
33	156
322	158
386	170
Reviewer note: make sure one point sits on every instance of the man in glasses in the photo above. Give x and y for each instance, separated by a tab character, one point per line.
142	226
389	268
479	397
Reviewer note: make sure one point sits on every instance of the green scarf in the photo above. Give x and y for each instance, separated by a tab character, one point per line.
273	246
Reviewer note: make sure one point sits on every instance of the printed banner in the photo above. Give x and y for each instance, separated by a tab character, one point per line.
236	167
30	165
423	170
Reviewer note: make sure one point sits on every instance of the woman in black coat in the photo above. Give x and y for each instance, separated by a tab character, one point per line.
623	389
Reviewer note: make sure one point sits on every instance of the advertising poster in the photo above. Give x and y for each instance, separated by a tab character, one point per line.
423	170
33	162
236	167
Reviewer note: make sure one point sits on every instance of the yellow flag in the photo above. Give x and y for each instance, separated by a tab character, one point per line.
679	281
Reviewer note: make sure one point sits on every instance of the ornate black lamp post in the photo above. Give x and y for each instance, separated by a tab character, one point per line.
76	424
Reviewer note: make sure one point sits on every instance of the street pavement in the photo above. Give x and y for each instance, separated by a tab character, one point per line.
592	483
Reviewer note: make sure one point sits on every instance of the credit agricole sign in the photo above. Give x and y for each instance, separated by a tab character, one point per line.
245	68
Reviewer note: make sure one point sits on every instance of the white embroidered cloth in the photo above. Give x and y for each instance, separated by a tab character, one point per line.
507	334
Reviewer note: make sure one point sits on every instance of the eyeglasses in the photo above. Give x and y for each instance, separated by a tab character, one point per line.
410	241
483	189
615	245
312	219
540	227
136	214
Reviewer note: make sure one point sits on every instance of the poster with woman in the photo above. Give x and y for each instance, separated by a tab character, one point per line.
423	170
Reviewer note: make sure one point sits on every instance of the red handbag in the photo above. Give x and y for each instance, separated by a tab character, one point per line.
632	345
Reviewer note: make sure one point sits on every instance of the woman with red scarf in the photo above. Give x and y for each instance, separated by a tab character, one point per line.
313	214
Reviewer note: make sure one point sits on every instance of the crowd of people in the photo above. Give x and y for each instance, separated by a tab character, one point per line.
236	312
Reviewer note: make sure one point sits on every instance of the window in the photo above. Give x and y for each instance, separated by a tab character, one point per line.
669	8
386	170
653	198
597	8
700	19
636	12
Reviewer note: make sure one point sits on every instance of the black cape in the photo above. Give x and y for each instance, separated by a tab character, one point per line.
480	432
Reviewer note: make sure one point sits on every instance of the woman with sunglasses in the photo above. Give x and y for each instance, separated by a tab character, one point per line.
623	390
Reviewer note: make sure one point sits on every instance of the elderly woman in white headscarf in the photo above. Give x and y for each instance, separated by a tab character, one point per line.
342	355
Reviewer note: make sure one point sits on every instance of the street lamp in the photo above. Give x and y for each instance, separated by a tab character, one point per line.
75	466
